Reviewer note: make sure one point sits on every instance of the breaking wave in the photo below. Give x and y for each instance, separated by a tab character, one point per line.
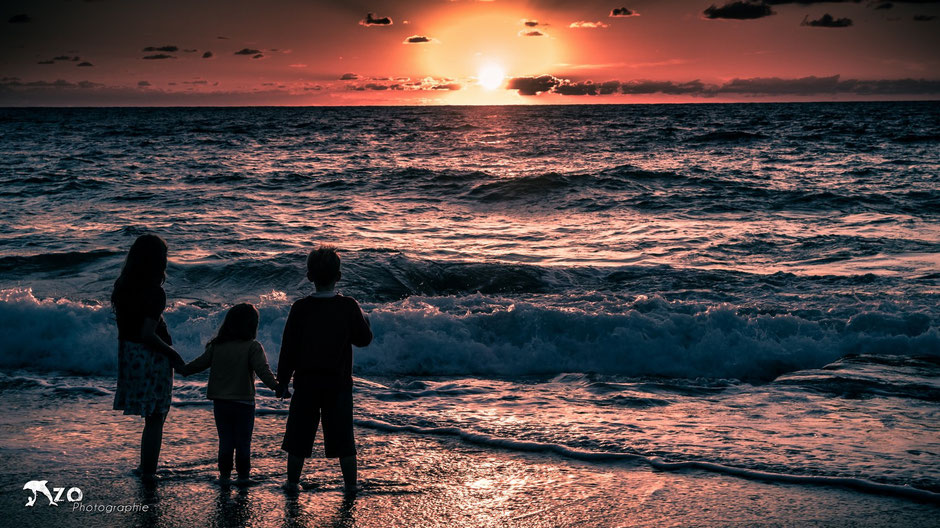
494	336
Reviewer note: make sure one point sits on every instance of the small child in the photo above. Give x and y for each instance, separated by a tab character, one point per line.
316	351
234	357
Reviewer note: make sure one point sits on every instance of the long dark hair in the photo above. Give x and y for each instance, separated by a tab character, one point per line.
144	267
240	324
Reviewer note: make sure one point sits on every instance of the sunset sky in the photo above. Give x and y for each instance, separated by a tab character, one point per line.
307	52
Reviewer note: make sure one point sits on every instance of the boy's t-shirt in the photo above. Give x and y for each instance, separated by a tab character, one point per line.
316	348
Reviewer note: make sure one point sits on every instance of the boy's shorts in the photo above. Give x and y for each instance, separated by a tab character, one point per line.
307	407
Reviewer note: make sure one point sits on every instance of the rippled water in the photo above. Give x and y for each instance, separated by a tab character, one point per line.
754	285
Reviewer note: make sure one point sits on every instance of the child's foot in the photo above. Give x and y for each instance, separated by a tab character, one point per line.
225	480
349	492
291	487
245	481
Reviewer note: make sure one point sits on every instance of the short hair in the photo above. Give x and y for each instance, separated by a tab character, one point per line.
323	266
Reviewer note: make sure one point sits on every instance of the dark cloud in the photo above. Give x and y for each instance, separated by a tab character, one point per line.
884	5
372	20
778	86
534	33
889	87
532	85
190	50
609	87
85	64
623	12
21	18
751	87
143	84
740	10
664	87
417	39
809	2
581	88
258	56
587	88
447	86
61	58
247	51
349	76
167	49
196	82
377	87
159	56
924	18
207	55
14	82
222	38
828	21
531	23
85	93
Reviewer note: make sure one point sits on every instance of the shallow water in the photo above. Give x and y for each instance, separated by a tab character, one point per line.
406	480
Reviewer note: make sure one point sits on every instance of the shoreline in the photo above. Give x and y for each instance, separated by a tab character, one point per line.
407	479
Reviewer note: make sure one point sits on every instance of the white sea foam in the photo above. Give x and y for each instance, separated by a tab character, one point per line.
480	335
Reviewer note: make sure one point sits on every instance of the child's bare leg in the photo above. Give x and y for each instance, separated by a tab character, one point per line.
295	465
150	440
350	472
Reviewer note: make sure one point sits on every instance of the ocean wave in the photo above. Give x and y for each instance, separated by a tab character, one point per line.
492	336
51	262
383	275
727	136
693	191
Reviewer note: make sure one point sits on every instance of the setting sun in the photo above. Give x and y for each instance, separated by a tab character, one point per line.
491	76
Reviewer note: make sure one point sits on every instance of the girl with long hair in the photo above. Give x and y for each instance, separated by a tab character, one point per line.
146	357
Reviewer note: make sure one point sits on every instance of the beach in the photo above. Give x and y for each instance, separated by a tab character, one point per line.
406	480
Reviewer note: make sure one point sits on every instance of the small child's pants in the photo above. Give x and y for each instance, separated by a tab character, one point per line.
235	422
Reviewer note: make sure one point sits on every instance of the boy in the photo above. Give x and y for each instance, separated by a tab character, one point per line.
316	350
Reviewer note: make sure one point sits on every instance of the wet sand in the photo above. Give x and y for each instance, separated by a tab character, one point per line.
406	480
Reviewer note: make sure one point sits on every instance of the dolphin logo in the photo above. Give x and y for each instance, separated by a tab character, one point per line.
37	487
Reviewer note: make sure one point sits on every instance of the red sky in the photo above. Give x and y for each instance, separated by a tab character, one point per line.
111	52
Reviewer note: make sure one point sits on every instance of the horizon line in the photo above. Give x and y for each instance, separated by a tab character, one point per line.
828	101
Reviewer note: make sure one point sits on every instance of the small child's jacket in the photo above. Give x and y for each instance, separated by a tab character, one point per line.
233	368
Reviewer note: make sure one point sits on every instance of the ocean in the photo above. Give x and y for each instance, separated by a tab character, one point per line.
749	288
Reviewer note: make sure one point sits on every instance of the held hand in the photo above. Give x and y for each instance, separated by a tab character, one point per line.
176	361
